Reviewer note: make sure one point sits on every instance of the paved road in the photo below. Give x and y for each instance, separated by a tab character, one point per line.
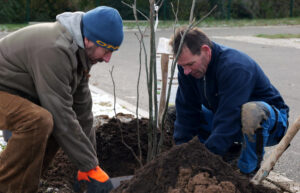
281	64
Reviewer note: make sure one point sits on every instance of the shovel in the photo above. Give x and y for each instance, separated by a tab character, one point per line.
267	166
116	181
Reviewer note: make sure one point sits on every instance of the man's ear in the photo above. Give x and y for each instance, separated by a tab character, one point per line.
205	48
87	43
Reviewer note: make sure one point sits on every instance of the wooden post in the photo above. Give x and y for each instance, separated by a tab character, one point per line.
164	76
165	50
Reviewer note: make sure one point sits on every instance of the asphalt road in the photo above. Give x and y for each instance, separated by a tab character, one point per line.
281	64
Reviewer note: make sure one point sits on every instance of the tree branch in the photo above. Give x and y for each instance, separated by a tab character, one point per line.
192	12
138	97
119	122
137	10
114	88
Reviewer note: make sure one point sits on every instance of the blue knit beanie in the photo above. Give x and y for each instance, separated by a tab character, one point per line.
103	26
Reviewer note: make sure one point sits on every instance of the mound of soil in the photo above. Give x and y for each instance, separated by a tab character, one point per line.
188	168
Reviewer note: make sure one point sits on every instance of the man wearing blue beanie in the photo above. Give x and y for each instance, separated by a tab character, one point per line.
45	101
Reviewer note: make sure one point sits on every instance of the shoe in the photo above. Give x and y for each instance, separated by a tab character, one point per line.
233	154
251	174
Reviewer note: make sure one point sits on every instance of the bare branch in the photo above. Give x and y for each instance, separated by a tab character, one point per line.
142	38
139	160
128	147
192	12
204	17
114	87
137	10
160	3
175	13
138	97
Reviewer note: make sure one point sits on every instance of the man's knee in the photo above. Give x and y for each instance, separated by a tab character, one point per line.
252	116
43	120
26	116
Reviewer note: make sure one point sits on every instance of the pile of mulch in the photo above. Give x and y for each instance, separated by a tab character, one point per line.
188	168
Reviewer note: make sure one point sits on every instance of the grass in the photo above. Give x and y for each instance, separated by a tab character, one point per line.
209	22
2	147
276	36
11	27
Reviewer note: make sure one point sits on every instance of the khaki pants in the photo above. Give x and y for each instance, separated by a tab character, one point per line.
21	162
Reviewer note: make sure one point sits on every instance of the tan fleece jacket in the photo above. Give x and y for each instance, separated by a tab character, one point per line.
44	64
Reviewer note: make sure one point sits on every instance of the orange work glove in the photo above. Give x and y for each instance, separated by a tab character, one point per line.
96	179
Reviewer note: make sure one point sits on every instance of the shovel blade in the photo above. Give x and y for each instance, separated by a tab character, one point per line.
116	181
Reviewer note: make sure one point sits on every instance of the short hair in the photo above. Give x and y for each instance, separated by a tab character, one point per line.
194	40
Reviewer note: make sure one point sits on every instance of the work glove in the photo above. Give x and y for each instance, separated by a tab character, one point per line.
253	115
96	179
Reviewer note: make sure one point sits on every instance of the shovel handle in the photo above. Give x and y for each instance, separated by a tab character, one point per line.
269	163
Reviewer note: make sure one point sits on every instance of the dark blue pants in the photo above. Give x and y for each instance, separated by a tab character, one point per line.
249	159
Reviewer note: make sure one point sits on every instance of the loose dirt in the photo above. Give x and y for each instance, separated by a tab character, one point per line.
114	157
188	168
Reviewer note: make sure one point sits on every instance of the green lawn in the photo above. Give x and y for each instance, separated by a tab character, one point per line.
276	36
209	22
223	23
11	27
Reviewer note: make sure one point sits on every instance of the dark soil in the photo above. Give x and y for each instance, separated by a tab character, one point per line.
60	176
114	157
188	168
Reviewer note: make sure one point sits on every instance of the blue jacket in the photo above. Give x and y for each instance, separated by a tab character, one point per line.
232	79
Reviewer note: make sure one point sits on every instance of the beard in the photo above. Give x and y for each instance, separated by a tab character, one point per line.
90	54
